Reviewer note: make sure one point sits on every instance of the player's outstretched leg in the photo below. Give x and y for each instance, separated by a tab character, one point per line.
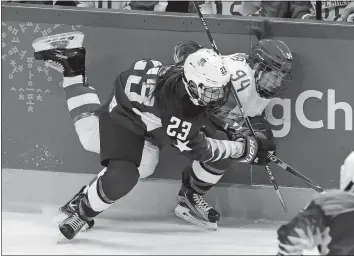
65	53
196	182
121	152
73	204
116	182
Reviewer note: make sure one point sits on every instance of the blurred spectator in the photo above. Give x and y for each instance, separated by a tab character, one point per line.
32	2
331	10
240	8
126	5
348	13
285	9
159	6
105	4
206	7
334	10
177	6
67	3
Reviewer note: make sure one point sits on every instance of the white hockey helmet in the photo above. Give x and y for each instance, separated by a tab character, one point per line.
206	79
347	174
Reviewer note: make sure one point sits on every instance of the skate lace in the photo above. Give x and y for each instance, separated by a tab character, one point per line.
55	65
201	202
76	222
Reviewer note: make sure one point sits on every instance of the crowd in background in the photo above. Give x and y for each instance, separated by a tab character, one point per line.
325	10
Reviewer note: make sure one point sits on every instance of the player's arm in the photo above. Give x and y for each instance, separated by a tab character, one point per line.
204	149
261	128
244	148
303	232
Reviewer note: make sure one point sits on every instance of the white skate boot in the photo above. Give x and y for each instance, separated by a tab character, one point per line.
193	208
62	52
69	40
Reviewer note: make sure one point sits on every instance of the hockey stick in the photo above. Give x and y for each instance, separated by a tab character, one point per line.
225	126
275	185
248	123
211	39
292	171
273	158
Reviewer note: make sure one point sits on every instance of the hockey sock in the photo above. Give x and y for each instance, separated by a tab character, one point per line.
81	100
94	202
114	183
203	177
94	179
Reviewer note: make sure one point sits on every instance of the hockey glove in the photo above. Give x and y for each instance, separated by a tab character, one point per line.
256	148
250	149
265	146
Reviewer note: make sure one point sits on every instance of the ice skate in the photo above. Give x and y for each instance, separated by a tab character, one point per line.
193	208
72	225
62	52
69	40
71	207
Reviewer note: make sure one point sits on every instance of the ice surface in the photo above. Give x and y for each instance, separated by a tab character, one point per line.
35	233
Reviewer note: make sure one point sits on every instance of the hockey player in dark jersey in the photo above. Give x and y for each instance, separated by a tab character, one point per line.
326	223
81	101
160	106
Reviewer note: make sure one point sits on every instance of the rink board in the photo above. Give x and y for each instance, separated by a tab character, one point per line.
317	109
31	191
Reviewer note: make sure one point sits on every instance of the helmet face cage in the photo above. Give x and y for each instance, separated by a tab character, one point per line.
271	73
211	97
269	81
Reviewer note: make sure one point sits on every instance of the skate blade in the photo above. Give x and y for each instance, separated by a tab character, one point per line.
185	214
68	40
52	214
56	216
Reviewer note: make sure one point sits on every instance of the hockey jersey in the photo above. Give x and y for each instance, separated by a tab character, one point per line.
133	106
244	84
326	223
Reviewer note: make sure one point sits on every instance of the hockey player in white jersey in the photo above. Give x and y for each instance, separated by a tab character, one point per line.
257	78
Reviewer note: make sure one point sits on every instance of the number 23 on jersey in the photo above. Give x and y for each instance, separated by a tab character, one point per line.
175	125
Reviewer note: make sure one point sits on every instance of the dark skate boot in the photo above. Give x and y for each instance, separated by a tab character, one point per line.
72	225
63	52
73	205
193	208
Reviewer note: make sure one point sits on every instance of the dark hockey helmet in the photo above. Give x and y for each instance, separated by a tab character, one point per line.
183	49
272	61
